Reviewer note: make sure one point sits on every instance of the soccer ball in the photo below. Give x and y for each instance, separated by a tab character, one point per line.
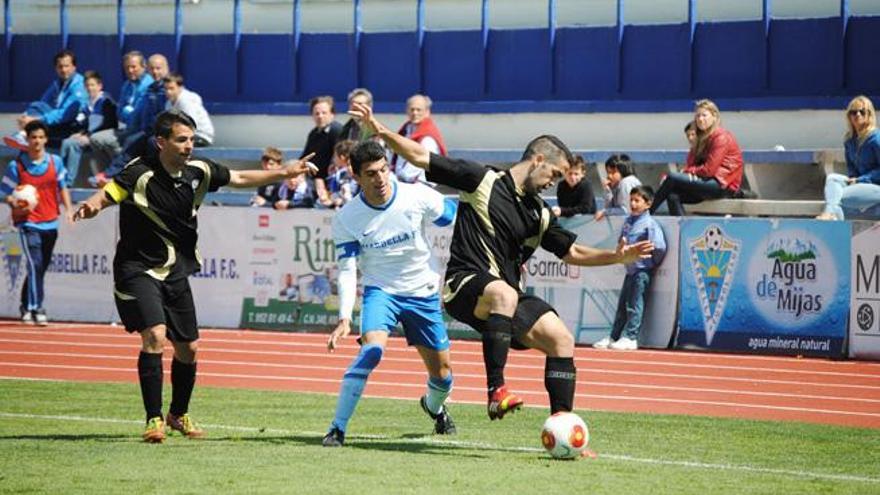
25	196
565	435
714	238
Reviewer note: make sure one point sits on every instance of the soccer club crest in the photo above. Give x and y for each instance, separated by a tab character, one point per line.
10	259
713	258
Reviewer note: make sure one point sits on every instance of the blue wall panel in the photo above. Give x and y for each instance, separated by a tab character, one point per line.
4	72
453	65
209	66
862	48
805	56
266	67
326	65
729	59
150	44
519	65
656	61
390	65
586	63
100	53
33	67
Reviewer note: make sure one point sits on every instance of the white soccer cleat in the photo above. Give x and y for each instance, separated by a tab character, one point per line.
602	344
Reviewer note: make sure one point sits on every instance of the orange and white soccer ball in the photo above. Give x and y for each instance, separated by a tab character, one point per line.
25	196
565	435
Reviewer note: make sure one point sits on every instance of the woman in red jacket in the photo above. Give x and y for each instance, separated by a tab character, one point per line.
714	165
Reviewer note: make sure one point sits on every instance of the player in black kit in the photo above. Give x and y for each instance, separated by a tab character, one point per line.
501	221
158	195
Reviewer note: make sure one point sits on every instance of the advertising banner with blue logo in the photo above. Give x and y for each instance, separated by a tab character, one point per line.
766	286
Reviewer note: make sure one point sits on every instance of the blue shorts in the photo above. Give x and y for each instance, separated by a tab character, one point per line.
421	317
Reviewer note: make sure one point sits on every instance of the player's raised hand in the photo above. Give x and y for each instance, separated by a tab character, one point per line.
630	253
86	210
364	114
294	168
343	328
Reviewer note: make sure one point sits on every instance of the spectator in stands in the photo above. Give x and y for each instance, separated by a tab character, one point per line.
352	129
106	144
690	133
57	108
714	165
137	138
860	188
340	182
267	194
574	194
179	97
98	115
621	179
420	128
321	140
296	192
639	226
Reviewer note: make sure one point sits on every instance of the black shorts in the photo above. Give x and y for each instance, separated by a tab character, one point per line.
143	301
462	291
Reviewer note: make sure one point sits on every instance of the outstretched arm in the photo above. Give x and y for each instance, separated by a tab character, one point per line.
582	255
93	205
254	178
410	150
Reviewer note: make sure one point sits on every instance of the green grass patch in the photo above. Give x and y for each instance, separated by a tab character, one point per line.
85	438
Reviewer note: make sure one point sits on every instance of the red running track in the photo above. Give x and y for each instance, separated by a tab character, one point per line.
646	381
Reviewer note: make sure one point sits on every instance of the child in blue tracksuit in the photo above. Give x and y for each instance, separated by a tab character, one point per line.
638	226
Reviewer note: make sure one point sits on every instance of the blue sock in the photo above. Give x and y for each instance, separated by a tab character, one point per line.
353	383
438	391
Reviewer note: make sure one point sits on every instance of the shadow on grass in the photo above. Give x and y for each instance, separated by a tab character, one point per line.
407	443
55	437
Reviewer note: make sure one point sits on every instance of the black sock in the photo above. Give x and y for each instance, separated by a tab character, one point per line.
183	379
150	376
496	345
559	380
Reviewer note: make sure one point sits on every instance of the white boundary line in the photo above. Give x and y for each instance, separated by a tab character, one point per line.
482	446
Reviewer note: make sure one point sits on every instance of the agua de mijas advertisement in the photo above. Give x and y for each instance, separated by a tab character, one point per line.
774	286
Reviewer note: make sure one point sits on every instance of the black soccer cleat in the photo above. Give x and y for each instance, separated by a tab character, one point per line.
334	438
443	424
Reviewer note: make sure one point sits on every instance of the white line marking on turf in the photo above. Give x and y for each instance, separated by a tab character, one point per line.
475	445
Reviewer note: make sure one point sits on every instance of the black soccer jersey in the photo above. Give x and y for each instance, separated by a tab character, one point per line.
157	216
498	226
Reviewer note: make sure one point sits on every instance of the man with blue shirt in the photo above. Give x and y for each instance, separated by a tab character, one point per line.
37	227
382	231
107	144
57	108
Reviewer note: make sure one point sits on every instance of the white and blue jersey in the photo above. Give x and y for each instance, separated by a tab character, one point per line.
400	277
389	240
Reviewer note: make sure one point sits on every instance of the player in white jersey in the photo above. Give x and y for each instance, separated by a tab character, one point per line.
382	230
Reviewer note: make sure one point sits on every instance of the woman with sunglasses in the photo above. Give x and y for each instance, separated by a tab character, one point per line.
859	189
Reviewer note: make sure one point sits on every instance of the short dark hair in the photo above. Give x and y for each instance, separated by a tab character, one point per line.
322	99
344	147
622	163
63	54
166	120
551	147
646	192
34	125
92	74
691	125
175	77
579	163
364	153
